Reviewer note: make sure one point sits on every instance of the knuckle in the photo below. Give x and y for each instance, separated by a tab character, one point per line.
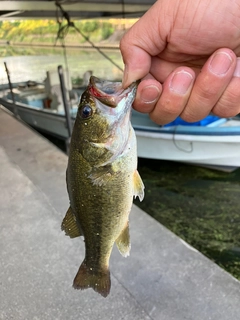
225	108
171	107
229	103
188	116
208	89
231	97
207	93
159	118
165	112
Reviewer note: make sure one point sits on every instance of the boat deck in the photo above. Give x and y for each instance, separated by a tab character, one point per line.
164	278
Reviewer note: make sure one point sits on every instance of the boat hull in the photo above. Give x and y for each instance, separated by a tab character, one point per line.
207	150
44	120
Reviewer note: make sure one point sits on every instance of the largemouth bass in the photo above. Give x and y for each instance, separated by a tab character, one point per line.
102	179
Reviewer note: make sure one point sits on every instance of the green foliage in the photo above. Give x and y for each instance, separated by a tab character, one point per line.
107	30
16	30
16	23
77	80
36	29
90	26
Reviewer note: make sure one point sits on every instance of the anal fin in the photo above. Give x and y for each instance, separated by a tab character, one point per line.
138	186
69	225
123	242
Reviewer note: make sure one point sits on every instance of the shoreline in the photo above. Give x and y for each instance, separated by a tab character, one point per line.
105	46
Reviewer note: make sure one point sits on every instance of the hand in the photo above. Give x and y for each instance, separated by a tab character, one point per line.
185	52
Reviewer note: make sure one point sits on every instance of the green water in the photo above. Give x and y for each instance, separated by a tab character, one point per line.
200	205
33	63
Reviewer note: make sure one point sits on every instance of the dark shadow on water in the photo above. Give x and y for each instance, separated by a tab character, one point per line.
200	205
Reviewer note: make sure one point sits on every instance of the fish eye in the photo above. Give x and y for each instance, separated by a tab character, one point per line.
86	111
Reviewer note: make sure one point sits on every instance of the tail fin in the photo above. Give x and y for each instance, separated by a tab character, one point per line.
89	278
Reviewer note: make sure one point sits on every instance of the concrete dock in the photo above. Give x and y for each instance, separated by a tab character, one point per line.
163	279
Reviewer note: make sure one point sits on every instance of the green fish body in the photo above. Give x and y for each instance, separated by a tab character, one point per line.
102	179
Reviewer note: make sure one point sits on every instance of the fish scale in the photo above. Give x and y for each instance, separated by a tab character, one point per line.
102	179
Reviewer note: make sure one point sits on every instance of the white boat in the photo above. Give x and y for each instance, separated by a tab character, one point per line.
40	105
215	143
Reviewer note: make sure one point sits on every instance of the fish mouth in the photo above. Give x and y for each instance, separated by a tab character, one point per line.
108	92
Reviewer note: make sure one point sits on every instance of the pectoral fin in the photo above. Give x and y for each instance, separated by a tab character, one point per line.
138	186
69	225
101	175
123	242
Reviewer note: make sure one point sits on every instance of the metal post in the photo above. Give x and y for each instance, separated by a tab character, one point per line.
66	106
15	111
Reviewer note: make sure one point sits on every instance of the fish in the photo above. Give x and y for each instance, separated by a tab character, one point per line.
102	179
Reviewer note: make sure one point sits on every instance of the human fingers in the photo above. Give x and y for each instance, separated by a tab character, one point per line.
137	64
161	69
150	88
175	94
148	93
210	85
229	103
141	43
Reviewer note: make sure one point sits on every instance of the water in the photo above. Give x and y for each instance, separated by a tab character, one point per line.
200	205
32	63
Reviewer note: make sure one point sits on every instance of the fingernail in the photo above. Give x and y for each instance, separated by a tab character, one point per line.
181	82
220	63
150	94
237	69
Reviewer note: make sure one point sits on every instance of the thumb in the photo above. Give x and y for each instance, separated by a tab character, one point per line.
137	62
143	41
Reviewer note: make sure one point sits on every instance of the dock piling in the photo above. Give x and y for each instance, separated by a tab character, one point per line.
11	90
66	106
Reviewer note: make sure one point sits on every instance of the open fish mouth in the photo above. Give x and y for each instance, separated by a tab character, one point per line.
108	92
